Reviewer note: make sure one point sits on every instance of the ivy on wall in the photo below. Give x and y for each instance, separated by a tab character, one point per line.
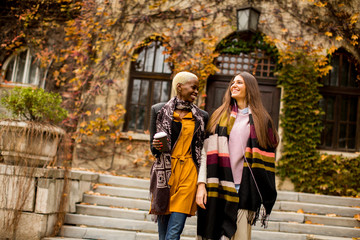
236	44
337	175
300	119
302	127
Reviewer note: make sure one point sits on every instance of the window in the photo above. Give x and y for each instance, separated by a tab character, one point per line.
341	104
256	62
150	83
23	68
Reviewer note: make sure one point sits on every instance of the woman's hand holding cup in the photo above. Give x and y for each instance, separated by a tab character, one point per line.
160	142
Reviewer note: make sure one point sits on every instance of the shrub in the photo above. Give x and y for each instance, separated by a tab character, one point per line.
34	105
335	175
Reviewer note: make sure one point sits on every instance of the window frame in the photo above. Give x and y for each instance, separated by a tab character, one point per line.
257	62
26	75
339	92
147	76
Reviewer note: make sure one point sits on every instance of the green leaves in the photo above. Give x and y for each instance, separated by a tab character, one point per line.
236	45
302	127
34	105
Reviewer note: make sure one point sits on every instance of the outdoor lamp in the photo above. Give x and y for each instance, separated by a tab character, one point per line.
247	19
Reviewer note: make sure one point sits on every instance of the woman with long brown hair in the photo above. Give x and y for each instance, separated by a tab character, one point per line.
239	185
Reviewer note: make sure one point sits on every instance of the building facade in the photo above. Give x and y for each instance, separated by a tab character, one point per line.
147	79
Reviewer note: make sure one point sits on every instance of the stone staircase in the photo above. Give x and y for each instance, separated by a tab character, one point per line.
117	208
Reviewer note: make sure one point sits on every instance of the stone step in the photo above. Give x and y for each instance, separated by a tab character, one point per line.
124	181
318	199
111	234
117	202
190	230
120	224
279	205
316	208
57	238
128	227
120	211
318	237
275	216
123	192
333	221
282	195
103	211
332	231
261	235
279	216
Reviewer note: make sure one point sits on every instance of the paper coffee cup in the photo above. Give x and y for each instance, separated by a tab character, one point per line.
162	137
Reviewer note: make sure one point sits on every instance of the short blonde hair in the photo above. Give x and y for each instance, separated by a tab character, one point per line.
181	77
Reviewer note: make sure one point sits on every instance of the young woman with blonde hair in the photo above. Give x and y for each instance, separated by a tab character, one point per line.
239	185
173	180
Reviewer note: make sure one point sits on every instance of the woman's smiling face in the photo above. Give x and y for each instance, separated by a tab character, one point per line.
238	88
189	90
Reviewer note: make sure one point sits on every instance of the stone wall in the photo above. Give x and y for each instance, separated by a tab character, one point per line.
37	192
130	157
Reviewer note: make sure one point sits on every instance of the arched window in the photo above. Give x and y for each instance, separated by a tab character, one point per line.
23	68
149	83
341	104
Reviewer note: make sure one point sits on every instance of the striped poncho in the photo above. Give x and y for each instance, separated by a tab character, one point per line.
223	201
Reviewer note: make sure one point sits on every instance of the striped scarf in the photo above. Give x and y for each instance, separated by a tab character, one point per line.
223	201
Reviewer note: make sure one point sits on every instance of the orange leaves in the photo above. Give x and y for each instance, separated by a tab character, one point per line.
320	4
332	49
339	38
329	34
83	124
136	161
354	18
310	222
300	211
157	4
354	39
129	148
97	111
200	62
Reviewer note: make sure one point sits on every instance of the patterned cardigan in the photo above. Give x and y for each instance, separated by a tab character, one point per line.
257	190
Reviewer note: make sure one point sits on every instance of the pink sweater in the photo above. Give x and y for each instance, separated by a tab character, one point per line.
238	138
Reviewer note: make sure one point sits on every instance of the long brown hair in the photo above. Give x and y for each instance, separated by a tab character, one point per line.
261	117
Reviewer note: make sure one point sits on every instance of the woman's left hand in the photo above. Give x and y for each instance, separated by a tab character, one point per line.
201	195
157	144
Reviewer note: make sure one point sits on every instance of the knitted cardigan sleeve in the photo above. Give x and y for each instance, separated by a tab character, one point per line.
202	169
